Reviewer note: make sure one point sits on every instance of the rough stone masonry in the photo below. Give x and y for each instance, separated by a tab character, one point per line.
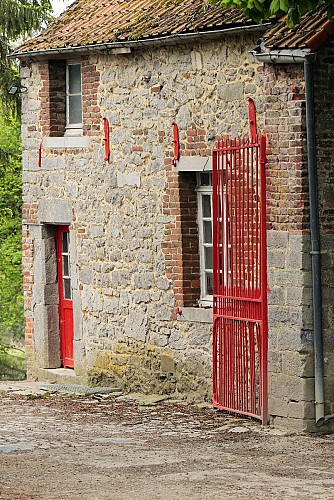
133	271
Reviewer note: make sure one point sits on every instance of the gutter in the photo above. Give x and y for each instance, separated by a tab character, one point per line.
307	57
162	40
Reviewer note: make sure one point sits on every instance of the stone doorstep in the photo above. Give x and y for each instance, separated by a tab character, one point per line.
60	376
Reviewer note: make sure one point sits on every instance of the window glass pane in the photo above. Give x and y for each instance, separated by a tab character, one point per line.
207	231
65	240
205	179
67	288
75	109
209	283
206	205
74	79
208	257
66	267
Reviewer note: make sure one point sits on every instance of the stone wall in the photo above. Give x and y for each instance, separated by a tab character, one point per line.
130	259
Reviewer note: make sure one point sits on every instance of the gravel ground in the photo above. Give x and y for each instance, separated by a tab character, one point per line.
113	447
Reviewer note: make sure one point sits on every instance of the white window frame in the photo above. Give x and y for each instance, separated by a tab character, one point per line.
205	299
72	128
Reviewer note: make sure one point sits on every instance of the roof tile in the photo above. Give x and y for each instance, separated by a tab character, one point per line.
111	21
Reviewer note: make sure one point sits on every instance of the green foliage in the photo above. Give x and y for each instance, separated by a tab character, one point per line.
261	10
11	302
18	20
12	364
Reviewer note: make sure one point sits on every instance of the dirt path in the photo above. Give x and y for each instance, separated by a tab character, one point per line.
92	448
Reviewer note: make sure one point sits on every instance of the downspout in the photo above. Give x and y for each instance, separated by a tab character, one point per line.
319	393
308	58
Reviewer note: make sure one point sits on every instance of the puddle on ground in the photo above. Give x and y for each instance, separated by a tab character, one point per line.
8	448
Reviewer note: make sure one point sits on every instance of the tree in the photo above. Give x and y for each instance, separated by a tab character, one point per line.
11	309
261	10
18	19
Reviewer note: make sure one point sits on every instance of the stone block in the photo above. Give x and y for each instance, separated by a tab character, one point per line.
167	364
276	296
40	337
86	276
301	409
231	92
291	388
297	340
135	326
274	362
277	406
77	315
51	294
298	364
277	239
132	179
177	341
294	424
196	315
53	337
55	211
199	336
276	259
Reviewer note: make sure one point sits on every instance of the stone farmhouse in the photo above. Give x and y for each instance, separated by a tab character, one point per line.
145	268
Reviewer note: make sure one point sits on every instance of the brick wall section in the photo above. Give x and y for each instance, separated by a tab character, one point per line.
53	97
91	115
181	246
324	112
28	280
287	166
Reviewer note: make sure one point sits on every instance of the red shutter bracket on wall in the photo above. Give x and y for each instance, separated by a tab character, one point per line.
252	119
176	143
106	139
40	155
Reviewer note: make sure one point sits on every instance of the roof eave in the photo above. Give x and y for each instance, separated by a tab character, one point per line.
158	41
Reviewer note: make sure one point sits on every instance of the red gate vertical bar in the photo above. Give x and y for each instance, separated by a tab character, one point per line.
264	279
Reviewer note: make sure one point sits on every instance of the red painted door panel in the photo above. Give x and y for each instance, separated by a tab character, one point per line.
65	297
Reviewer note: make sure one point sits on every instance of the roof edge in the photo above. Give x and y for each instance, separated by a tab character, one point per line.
163	40
322	36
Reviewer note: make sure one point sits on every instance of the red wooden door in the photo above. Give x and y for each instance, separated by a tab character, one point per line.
240	324
65	297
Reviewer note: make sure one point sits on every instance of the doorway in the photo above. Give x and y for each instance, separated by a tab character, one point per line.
65	297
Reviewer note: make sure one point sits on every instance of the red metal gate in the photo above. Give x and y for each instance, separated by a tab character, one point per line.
240	323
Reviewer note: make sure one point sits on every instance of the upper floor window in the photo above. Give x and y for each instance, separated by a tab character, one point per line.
73	98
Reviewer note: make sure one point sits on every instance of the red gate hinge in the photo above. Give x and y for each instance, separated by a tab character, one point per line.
176	143
106	139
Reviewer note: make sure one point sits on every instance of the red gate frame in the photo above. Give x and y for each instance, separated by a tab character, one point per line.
230	308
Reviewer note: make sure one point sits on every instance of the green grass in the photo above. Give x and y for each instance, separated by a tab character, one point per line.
12	364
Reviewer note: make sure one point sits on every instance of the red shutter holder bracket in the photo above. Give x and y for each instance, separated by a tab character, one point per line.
176	143
106	139
40	155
